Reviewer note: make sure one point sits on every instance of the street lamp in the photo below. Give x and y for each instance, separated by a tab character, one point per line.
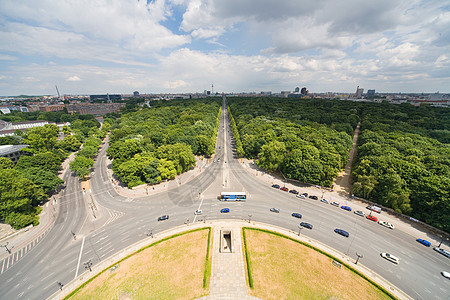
204	219
299	229
88	265
6	247
60	285
73	234
150	233
249	218
359	256
442	241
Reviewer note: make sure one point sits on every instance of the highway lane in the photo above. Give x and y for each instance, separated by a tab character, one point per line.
57	256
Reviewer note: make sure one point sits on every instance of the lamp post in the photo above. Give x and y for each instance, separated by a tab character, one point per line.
249	218
60	285
299	229
73	235
359	256
88	265
442	241
6	247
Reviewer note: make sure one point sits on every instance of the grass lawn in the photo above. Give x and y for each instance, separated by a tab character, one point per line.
284	269
172	269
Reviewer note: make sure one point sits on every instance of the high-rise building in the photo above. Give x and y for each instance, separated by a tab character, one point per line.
370	93
304	91
135	94
359	92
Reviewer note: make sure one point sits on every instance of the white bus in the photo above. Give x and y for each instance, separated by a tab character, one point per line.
233	196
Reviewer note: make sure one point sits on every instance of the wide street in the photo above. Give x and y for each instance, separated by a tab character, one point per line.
105	222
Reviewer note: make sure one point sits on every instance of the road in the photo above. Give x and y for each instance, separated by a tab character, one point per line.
121	221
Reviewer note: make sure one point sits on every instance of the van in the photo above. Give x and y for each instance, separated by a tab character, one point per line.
374	208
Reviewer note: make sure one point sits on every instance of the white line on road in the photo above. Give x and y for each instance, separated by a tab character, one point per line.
3	265
195	217
79	258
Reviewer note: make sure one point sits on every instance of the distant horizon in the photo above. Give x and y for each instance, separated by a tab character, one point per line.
171	46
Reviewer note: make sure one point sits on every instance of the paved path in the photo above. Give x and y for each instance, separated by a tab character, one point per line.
228	269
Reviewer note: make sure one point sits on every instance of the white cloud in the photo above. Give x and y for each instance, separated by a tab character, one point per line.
73	78
175	84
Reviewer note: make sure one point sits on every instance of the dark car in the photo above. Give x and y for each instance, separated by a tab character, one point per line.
225	210
284	189
346	207
162	218
305	194
314	197
297	215
306	225
275	210
293	192
342	232
424	242
276	186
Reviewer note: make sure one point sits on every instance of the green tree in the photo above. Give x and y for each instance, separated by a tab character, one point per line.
18	199
47	180
88	151
272	155
82	166
180	154
69	144
6	163
47	161
167	169
41	139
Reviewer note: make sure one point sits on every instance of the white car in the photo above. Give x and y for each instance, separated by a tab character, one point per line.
324	201
334	203
386	224
198	212
360	213
390	257
445	274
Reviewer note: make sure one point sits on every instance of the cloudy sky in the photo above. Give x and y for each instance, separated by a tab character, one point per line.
119	46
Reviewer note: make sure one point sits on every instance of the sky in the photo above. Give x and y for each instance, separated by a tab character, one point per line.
176	46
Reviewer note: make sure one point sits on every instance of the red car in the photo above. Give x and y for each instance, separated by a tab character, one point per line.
284	189
372	218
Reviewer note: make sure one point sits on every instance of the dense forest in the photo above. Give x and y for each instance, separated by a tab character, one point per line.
157	143
29	182
403	159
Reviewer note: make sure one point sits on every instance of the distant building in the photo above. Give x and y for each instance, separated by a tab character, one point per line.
359	92
96	109
13	152
57	107
370	93
136	94
297	89
304	91
107	97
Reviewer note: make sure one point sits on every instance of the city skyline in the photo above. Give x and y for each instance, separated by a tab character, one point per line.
179	46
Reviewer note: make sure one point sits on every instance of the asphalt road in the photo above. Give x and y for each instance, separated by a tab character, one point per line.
121	221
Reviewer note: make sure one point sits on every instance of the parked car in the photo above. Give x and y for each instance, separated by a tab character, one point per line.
334	203
313	197
386	224
198	212
275	210
162	218
424	242
305	195
445	274
225	210
324	201
277	186
346	207
342	232
374	208
306	225
301	196
293	192
372	218
390	257
297	215
359	213
442	251
284	189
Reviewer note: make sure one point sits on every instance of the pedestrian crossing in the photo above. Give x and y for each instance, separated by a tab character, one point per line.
113	215
17	255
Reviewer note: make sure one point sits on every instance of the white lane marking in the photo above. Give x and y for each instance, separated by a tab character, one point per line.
79	258
3	266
